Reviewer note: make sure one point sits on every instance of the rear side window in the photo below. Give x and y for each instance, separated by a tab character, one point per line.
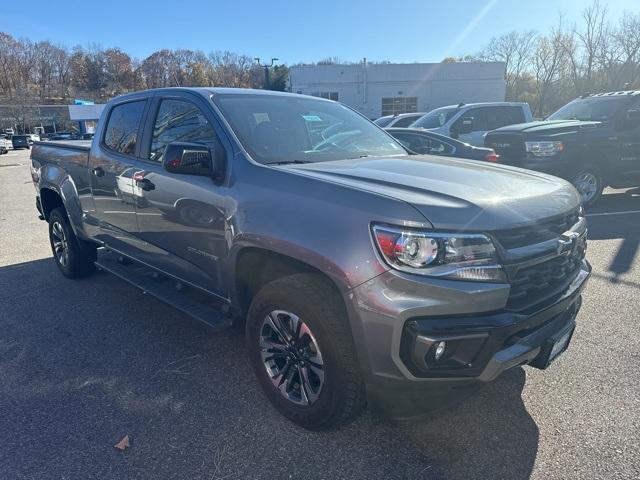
502	116
121	133
405	121
436	147
180	121
415	143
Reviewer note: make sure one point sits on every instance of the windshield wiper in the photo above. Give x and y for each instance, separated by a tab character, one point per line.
288	162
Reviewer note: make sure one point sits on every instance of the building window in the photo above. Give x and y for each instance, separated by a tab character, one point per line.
328	95
397	105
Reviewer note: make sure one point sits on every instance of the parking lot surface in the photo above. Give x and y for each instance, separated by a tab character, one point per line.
84	363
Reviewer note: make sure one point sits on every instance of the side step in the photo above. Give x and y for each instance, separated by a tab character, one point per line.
187	299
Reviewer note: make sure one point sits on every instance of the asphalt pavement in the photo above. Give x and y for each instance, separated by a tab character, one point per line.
84	363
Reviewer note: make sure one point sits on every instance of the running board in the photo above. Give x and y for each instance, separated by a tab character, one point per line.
188	300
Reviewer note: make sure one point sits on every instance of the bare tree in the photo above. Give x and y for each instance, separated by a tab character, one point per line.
515	49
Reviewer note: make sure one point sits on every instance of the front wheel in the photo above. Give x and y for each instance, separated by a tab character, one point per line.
588	182
74	257
301	349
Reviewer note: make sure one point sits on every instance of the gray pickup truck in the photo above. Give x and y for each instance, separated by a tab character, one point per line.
358	272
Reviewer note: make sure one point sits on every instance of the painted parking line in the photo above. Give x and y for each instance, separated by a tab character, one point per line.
612	213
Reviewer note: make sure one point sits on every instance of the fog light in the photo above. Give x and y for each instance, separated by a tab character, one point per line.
440	348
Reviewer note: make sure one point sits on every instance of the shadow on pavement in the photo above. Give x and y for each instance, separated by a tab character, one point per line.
618	226
490	435
83	363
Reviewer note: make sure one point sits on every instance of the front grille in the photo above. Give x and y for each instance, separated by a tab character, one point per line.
507	145
536	283
536	233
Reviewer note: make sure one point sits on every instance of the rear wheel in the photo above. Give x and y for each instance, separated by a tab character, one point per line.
588	182
302	352
74	257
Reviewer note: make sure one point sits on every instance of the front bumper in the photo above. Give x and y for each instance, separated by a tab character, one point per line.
489	343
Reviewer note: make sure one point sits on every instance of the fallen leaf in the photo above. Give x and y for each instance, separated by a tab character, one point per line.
123	444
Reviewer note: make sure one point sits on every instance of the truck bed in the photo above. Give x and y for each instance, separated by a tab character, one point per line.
70	144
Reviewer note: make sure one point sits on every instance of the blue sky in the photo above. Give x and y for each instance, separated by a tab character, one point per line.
396	30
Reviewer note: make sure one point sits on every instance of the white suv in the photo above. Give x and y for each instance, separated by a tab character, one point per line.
4	145
470	122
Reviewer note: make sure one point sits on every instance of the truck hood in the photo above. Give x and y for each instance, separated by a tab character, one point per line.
548	127
453	193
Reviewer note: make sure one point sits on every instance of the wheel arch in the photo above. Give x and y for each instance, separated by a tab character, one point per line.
254	267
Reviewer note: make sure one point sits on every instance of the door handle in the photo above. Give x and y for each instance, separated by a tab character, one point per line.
98	172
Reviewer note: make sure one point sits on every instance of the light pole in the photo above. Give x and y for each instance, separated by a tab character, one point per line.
266	70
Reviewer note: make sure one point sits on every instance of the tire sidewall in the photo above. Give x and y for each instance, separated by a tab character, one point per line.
268	300
56	216
80	260
592	170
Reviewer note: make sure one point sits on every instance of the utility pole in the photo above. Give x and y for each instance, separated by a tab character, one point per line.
266	70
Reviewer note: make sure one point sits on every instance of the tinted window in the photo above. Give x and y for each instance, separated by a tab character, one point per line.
121	133
415	143
180	121
405	121
479	117
591	108
436	147
502	116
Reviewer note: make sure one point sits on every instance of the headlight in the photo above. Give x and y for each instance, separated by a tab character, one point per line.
454	256
544	149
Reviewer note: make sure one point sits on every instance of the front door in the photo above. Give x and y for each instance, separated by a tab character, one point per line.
478	118
111	171
181	217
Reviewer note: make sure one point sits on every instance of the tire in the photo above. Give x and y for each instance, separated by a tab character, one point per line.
589	183
73	257
336	398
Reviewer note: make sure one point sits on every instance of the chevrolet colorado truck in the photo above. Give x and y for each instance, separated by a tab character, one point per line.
593	141
359	273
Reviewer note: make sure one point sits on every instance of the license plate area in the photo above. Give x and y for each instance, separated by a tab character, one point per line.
554	347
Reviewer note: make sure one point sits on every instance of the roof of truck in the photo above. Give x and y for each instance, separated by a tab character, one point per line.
612	94
206	91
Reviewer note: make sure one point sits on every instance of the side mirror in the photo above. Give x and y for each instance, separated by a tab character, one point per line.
466	125
193	159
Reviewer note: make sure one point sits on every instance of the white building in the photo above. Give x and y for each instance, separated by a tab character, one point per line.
386	89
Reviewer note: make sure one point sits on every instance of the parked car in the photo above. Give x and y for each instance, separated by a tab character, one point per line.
4	144
593	141
21	141
399	120
426	142
470	122
358	272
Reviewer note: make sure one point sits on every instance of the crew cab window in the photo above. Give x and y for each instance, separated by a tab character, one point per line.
121	133
502	116
180	121
479	117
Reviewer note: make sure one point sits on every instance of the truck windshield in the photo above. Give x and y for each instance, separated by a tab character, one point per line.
435	118
594	109
288	129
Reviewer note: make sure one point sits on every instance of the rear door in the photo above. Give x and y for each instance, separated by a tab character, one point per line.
110	170
501	116
181	218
